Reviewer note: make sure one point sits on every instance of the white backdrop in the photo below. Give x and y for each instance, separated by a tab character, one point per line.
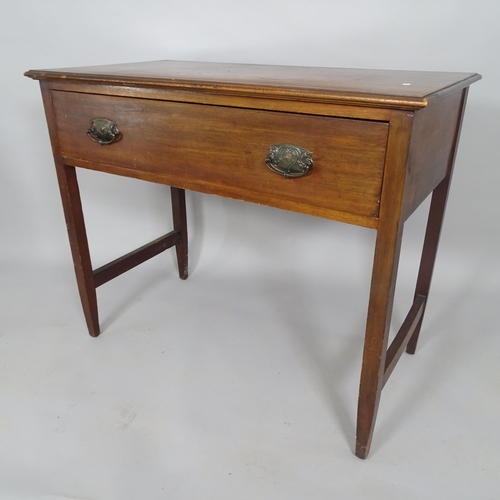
233	238
454	35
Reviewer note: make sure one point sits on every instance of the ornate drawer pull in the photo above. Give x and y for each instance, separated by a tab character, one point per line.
289	160
103	131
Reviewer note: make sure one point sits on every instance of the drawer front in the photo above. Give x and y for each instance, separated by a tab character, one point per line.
222	150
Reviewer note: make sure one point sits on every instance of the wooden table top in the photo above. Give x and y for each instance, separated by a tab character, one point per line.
388	88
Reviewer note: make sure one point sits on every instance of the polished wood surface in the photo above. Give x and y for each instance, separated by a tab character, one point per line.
222	150
401	89
382	141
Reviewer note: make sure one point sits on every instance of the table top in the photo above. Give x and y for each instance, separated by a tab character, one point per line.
388	88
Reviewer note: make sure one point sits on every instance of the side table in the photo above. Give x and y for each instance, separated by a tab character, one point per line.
364	147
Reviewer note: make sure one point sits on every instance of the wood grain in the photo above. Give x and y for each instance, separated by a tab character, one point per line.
433	140
221	150
378	88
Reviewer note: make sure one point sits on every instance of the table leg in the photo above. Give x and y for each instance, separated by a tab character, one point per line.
431	241
87	278
72	205
180	224
383	284
386	259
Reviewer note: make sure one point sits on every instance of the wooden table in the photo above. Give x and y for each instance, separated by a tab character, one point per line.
358	146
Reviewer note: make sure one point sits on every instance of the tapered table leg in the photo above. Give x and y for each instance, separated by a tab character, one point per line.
431	241
387	250
385	266
434	225
180	224
72	205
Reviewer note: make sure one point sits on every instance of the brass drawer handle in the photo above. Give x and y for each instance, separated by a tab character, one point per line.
103	131
289	160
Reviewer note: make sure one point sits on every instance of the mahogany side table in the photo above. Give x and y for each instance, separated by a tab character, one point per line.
364	147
